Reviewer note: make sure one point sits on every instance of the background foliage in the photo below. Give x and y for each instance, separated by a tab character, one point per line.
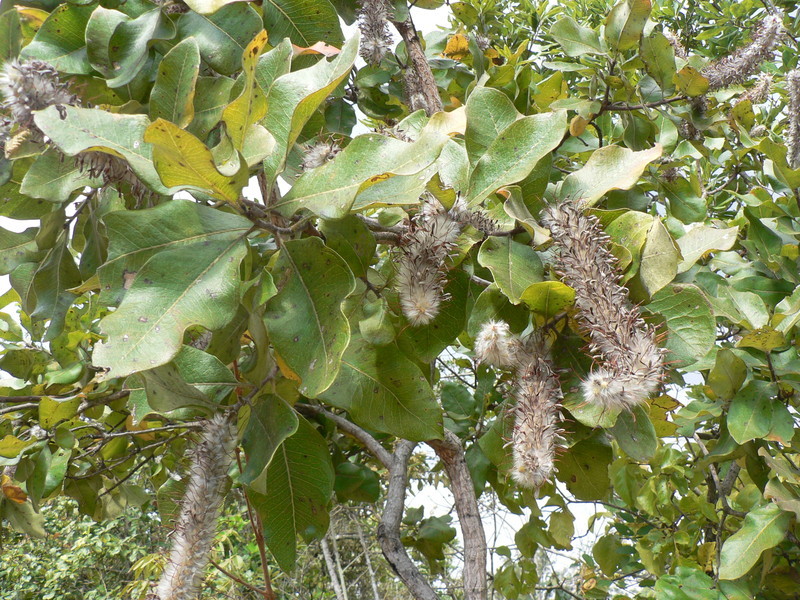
133	313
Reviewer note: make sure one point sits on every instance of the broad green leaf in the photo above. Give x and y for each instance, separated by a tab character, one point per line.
305	22
629	232
251	105
299	485
207	7
356	482
701	240
575	39
101	26
688	584
489	111
384	391
727	375
53	177
51	412
351	239
55	276
763	338
189	285
193	379
691	82
136	236
635	434
548	298
625	24
172	97
787	312
130	43
690	323
297	95
515	266
659	59
659	259
94	129
367	162
222	36
584	468
23	518
763	528
305	321
17	248
514	153
184	162
11	446
212	95
271	421
60	39
10	35
273	64
609	553
608	168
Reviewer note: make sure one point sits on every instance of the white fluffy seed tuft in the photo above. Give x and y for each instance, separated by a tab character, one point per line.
793	126
496	345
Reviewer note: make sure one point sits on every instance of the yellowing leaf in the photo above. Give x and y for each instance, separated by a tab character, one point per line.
251	105
184	162
691	82
13	492
457	47
764	338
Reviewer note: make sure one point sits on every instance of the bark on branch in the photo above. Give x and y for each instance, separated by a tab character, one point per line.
451	454
389	527
421	88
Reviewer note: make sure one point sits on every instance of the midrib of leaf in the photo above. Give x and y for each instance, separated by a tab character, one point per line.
288	18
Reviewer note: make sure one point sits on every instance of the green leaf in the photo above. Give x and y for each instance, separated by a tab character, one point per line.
750	412
691	327
251	105
94	129
53	177
184	162
222	36
609	553
584	468
514	153
211	96
360	170
701	240
129	44
625	24
51	412
136	236
189	285
305	320
101	26
384	391
172	97
53	278
690	81
493	305
207	7
305	22
17	248
299	484
659	259
764	528
24	519
271	421
489	111
727	375
11	446
635	434
10	35
548	298
515	266
575	39
608	168
355	482
659	59
351	239
297	95
60	39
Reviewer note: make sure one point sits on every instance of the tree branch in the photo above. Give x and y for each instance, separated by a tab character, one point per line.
451	453
389	527
421	88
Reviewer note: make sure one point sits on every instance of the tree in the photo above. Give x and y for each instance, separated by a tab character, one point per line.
560	250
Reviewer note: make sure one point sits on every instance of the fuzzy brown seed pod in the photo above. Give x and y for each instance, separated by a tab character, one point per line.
632	361
738	66
536	433
474	218
32	85
760	91
677	46
376	39
793	126
196	525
